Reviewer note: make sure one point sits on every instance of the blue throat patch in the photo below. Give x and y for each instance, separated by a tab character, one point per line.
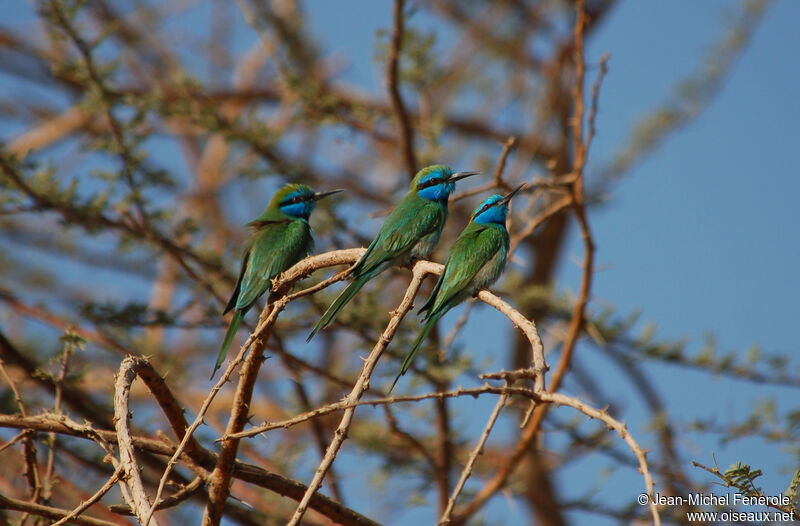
299	209
436	192
486	213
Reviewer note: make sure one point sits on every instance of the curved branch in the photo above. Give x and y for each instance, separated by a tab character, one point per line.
622	430
139	502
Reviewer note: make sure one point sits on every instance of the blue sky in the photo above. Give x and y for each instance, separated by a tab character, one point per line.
703	235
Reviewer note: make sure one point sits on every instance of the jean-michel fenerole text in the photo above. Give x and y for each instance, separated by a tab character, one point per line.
728	499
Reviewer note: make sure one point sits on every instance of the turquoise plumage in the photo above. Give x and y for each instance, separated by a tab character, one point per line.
410	231
476	260
281	237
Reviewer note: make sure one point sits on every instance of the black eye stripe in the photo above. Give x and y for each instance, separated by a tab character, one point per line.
430	182
293	200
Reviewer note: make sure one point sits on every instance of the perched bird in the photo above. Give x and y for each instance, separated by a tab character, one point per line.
410	231
281	237
475	261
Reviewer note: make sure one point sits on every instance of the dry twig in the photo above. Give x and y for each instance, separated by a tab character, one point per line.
465	473
29	447
406	138
105	488
359	388
49	512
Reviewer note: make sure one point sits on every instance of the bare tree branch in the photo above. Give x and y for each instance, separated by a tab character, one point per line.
393	82
139	503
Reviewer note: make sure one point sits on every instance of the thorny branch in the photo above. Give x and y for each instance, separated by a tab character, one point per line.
221	477
139	502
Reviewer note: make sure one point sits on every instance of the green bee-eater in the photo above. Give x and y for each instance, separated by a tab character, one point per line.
410	231
281	237
476	260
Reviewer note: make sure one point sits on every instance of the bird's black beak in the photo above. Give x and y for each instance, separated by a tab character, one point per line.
320	195
511	194
460	175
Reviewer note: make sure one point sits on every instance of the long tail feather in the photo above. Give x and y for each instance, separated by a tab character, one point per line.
426	330
338	304
226	342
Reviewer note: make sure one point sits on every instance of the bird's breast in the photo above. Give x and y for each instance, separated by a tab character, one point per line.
426	244
489	272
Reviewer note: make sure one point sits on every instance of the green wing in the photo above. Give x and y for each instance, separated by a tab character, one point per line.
412	219
274	248
473	249
232	301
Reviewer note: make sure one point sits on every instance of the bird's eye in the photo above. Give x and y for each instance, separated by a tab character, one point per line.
430	182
